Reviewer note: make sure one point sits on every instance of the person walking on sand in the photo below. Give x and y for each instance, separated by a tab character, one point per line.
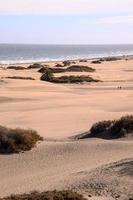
119	87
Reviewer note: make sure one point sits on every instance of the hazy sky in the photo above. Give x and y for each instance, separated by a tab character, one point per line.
66	21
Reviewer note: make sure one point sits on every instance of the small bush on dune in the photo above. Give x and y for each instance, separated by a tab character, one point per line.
59	65
43	69
79	68
73	79
111	129
17	140
73	68
48	76
100	127
19	77
16	67
49	195
108	59
66	62
53	70
83	60
35	66
57	70
96	62
122	127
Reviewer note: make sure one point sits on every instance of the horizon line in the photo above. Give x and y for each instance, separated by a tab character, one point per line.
15	43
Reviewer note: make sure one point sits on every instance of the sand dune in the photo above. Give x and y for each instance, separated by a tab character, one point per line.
58	111
113	180
57	165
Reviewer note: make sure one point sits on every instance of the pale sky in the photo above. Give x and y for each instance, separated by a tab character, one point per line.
66	21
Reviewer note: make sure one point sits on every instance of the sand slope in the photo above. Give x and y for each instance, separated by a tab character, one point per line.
59	111
57	165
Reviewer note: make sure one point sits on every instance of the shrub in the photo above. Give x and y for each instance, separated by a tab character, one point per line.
73	68
16	67
79	68
17	140
43	69
35	66
96	62
49	195
112	59
66	62
111	129
47	76
58	70
100	127
53	70
58	65
19	77
122	127
83	60
73	79
108	59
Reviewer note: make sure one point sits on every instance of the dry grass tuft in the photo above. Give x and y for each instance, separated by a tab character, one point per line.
115	129
49	195
17	140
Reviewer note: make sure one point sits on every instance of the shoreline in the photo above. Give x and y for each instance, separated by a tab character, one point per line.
130	57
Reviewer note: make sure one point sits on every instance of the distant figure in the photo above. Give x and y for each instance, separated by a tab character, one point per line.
119	87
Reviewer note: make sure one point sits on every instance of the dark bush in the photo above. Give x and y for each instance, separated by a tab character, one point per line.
47	76
100	127
17	140
122	127
59	65
112	59
43	69
73	68
16	67
49	195
74	79
53	70
79	68
58	70
108	59
35	66
66	62
19	77
111	129
83	60
96	62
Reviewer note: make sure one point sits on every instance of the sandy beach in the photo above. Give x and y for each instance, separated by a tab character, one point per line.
57	112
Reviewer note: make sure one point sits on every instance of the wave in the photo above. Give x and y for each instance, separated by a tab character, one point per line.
19	54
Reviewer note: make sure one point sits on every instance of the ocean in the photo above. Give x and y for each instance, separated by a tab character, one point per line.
26	53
